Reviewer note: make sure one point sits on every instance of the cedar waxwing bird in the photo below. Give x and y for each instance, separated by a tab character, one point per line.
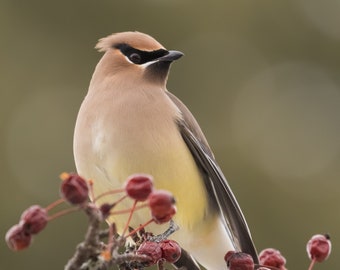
129	123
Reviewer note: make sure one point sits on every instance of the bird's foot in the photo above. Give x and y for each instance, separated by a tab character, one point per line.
160	237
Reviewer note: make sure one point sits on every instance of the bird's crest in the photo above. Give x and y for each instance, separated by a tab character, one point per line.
136	40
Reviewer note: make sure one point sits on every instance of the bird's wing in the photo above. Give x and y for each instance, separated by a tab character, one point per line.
216	183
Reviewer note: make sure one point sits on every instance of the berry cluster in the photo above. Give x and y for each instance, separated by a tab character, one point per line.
75	190
318	250
148	250
169	250
139	187
32	221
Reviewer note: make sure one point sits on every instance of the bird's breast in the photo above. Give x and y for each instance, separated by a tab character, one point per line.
141	136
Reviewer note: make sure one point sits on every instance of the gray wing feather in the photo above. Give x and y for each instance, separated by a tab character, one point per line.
215	182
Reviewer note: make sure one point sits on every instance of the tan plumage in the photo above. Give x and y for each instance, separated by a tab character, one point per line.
129	123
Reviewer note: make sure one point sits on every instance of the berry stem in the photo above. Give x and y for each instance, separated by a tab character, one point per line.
139	228
109	246
62	213
120	199
54	204
110	192
312	264
130	216
90	182
125	211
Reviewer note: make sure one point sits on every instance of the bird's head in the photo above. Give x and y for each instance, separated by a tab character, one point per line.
135	55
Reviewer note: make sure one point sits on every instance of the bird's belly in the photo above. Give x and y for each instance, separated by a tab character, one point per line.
164	155
173	169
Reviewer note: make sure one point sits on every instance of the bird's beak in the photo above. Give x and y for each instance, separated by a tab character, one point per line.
171	56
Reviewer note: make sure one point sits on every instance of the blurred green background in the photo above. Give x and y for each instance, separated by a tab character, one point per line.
261	77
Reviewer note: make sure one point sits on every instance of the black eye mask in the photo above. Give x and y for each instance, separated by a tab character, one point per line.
139	57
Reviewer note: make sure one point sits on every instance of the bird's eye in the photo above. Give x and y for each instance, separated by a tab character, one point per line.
135	58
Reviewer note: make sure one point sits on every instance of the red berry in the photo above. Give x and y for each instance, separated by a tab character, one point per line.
34	219
74	188
152	250
162	205
228	255
139	186
160	219
105	208
239	261
17	238
272	257
319	247
171	251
